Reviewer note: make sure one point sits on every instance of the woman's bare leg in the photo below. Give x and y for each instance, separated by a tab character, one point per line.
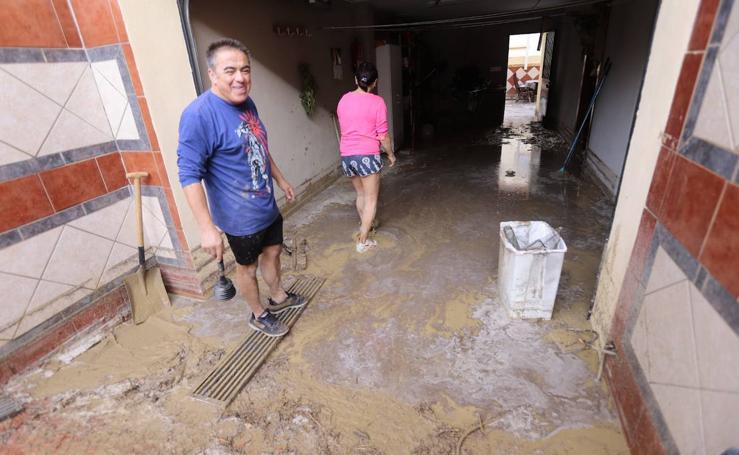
357	182
371	191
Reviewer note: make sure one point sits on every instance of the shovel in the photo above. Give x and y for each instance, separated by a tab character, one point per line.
145	287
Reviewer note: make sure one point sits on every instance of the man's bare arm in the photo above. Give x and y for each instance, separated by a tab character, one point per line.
210	237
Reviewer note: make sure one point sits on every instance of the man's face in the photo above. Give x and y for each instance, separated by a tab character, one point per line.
230	76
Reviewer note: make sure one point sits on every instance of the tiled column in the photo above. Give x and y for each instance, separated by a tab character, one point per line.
74	121
676	327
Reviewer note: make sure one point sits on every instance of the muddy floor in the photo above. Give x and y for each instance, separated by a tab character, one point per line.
518	113
405	350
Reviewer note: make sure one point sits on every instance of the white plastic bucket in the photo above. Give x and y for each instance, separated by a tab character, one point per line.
529	266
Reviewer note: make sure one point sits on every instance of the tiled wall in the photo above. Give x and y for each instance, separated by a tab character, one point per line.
676	327
531	74
74	120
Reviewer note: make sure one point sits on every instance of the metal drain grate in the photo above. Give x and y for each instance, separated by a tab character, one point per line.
233	372
8	407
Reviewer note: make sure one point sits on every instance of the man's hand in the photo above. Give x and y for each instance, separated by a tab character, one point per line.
212	242
391	157
210	237
287	189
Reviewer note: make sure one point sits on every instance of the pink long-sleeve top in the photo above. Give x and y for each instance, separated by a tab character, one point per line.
363	123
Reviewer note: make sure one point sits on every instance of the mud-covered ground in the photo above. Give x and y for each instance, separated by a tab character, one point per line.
405	350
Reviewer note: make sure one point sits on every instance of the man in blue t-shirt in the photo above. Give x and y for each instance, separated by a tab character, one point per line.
223	143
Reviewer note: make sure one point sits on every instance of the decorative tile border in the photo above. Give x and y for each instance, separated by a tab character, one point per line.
709	287
65	216
722	18
710	156
650	400
9	238
158	192
719	298
113	52
37	227
86	208
39	55
719	160
699	94
664	238
50	222
47	162
65	317
22	55
64	55
84	153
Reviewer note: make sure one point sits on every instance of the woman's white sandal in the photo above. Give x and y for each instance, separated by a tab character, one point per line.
366	246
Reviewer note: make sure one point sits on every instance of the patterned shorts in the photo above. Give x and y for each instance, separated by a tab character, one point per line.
361	165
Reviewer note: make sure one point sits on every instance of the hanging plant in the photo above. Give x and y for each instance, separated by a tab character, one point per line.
308	89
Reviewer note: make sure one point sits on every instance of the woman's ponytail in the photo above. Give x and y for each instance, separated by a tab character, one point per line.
366	75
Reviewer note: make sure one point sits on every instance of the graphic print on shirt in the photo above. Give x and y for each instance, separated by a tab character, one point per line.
252	133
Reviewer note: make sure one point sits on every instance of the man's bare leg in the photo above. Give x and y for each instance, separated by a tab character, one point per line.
269	263
246	280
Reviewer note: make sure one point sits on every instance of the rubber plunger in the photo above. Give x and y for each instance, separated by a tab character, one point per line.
224	288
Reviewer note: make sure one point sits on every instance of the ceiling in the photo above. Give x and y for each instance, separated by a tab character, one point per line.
446	9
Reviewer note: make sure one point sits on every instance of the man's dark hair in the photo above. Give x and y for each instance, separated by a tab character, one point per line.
366	75
210	54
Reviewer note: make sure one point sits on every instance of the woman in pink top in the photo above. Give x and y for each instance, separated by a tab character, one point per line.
363	123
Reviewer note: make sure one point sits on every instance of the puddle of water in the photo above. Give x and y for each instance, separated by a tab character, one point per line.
519	166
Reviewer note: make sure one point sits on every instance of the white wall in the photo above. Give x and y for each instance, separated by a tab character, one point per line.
671	35
564	91
627	45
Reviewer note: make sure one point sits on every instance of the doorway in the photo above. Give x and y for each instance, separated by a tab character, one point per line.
527	83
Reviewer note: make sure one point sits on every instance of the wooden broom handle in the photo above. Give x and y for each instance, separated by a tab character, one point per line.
137	176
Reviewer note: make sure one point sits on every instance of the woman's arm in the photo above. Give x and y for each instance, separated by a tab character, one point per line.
387	144
381	126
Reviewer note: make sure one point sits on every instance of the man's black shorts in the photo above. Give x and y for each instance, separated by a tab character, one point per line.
247	248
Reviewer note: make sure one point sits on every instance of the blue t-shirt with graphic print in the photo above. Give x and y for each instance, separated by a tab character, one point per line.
225	146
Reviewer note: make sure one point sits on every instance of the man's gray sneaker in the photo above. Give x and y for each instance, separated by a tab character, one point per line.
268	324
292	301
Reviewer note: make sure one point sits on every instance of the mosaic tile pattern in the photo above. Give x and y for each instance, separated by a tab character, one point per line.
50	271
713	118
683	339
695	187
57	107
530	74
69	105
74	120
